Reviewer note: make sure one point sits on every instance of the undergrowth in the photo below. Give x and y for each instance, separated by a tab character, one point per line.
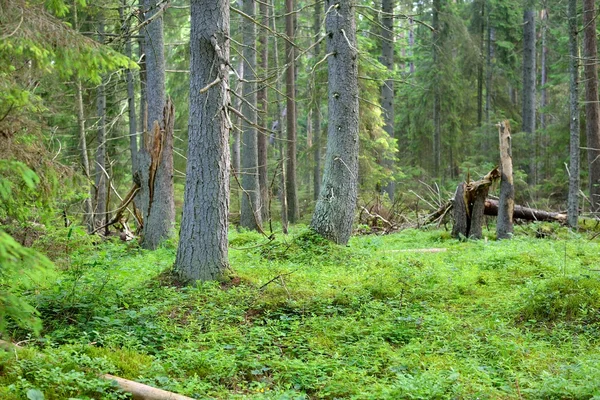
305	319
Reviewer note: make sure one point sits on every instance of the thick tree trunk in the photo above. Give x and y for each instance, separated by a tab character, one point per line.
437	94
526	213
263	181
529	87
574	152
316	112
387	90
592	109
504	226
251	207
202	251
156	180
290	80
334	211
101	179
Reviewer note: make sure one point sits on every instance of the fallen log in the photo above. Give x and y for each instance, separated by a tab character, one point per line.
526	213
139	391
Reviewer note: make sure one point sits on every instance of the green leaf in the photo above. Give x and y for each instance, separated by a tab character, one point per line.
35	394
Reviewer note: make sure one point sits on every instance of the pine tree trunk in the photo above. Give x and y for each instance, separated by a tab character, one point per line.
592	110
387	90
202	251
437	134
334	211
480	67
529	87
491	37
574	152
262	115
101	179
316	112
290	80
504	225
251	207
133	146
156	181
236	146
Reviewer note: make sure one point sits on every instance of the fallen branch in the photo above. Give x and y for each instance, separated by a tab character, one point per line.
530	214
140	391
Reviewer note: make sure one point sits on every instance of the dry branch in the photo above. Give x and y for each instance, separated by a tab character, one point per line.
140	391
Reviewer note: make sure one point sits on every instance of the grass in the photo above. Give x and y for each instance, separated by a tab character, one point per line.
304	319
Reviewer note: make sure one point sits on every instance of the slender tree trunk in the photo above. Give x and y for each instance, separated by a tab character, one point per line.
592	110
85	163
334	211
387	90
529	87
316	112
411	44
290	79
156	180
280	139
574	153
480	66
437	94
491	37
543	97
263	180
504	225
133	146
251	215
101	178
236	146
202	251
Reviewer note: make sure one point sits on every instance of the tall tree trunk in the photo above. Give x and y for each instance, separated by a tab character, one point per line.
437	94
411	44
491	37
316	112
334	211
290	80
202	251
544	153
251	207
130	91
236	146
480	65
101	178
529	87
573	203
88	208
262	115
156	180
506	205
592	111
279	127
387	90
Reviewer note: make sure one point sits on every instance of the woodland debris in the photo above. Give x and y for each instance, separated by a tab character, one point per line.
506	205
139	391
526	213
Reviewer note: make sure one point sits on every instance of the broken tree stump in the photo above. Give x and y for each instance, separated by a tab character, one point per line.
506	205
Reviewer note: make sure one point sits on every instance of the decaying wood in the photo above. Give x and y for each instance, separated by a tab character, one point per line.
432	250
526	213
140	391
124	203
506	205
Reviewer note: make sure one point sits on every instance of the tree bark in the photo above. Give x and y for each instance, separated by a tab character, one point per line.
526	213
236	146
156	180
334	211
574	152
491	37
290	80
202	252
101	178
480	65
437	94
262	99
316	112
139	391
529	87
592	109
387	90
504	225
133	145
251	207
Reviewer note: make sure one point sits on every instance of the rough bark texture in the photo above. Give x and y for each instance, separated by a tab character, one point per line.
592	108
290	91
504	226
334	211
202	252
157	181
387	90
529	87
574	153
459	208
316	112
437	94
263	181
251	207
101	181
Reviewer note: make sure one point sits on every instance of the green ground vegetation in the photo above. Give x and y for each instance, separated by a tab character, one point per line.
300	318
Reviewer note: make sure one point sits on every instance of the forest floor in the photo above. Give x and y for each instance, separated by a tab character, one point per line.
304	319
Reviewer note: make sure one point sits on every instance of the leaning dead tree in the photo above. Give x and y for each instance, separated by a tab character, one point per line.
469	206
